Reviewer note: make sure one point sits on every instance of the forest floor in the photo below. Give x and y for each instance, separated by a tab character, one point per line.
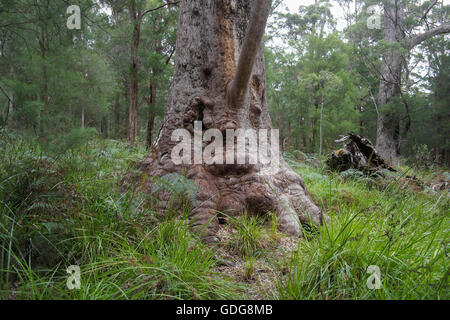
60	205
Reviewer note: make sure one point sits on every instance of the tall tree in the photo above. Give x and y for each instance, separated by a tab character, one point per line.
400	41
137	11
219	79
161	40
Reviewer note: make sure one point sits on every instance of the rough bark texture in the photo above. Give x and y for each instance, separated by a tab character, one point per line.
211	34
388	131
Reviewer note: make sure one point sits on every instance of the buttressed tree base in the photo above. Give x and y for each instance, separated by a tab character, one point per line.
219	79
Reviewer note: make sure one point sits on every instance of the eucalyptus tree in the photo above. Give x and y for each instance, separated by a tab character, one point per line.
219	80
406	25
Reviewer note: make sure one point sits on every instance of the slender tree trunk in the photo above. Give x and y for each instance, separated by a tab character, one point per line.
321	126
287	140
9	121
126	132
302	141
278	121
117	115
104	127
134	79
82	118
314	132
150	128
361	122
209	86
44	81
151	115
437	158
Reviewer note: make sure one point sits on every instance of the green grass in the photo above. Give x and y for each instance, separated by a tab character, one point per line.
404	233
250	236
60	206
124	248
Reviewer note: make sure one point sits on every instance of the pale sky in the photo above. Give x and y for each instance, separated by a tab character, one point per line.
337	11
338	14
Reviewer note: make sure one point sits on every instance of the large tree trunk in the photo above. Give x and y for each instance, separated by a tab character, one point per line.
214	83
388	131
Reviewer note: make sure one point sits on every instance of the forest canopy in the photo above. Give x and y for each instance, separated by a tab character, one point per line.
323	62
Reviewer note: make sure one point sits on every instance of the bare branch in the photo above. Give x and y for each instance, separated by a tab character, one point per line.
171	55
429	34
6	95
157	8
255	33
424	16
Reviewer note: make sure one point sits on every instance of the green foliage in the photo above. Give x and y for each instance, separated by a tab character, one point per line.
249	237
79	78
422	158
178	185
311	83
71	141
321	79
352	173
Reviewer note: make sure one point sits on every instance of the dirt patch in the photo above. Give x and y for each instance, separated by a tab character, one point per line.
260	275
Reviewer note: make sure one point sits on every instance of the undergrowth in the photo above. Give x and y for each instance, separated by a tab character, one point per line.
60	205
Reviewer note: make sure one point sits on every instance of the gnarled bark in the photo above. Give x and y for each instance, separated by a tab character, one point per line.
211	37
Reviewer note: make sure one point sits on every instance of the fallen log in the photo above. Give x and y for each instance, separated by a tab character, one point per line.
358	153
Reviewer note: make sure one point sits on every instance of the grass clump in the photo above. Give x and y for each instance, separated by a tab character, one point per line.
249	237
